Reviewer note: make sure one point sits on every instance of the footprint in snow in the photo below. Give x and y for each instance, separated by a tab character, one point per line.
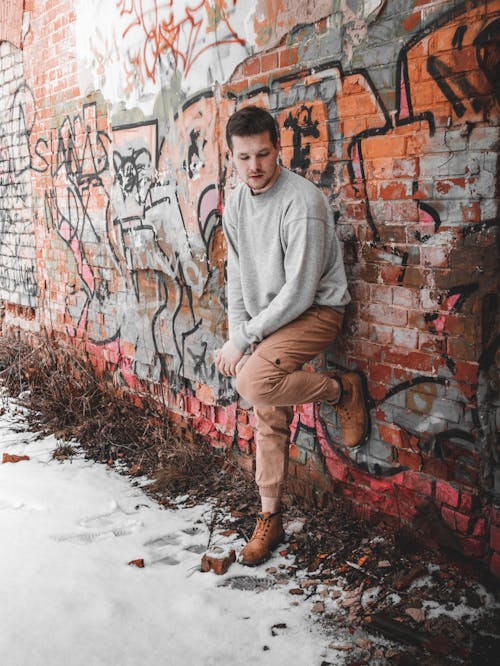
115	523
161	541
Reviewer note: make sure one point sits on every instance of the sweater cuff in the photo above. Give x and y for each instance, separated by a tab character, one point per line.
239	340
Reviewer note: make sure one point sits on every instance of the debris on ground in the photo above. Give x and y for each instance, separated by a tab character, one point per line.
218	560
12	458
422	605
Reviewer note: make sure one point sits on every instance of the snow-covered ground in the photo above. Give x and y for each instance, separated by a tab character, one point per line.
69	596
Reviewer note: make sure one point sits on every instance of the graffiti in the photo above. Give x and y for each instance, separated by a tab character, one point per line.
18	278
433	415
77	208
147	281
193	158
142	46
184	37
131	173
440	72
487	53
302	126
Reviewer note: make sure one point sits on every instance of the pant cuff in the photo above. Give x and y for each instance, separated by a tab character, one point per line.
275	491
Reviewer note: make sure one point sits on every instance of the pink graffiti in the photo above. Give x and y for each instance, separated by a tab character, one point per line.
404	107
440	322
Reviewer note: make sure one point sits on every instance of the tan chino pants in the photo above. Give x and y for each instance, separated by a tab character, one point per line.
272	380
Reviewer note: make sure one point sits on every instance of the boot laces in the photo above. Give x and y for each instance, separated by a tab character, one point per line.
261	528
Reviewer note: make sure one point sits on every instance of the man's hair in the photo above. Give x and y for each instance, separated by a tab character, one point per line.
251	120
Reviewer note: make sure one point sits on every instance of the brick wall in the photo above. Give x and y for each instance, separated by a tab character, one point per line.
113	178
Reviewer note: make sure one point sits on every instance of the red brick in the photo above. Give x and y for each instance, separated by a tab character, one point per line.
418	483
415	360
466	501
225	417
245	431
466	372
225	441
430	342
479	529
366	350
289	57
462	522
381	486
410	459
381	334
385	314
192	404
408	504
383	146
244	445
381	293
391	274
395	190
380	372
404	297
218	563
337	469
268	61
390	434
495	538
377	391
203	426
251	67
449	518
447	494
495	564
495	515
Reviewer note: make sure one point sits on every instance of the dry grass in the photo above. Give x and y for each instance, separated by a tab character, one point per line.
67	399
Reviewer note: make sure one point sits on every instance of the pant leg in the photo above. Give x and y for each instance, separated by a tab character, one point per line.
273	380
271	458
273	374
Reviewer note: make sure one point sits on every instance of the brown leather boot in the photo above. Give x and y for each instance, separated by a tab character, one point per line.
352	409
267	535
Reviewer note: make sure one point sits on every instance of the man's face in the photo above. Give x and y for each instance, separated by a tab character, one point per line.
255	160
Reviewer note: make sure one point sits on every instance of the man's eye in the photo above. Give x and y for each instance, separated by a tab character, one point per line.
245	157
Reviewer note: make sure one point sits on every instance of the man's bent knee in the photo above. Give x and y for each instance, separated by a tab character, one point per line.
255	384
246	385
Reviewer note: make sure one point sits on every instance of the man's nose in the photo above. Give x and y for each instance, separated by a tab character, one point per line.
254	163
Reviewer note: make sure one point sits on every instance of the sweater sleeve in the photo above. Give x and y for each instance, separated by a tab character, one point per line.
237	314
304	260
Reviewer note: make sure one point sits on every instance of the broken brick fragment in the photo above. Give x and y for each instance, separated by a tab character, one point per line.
218	561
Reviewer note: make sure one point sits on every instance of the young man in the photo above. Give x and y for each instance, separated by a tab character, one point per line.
287	291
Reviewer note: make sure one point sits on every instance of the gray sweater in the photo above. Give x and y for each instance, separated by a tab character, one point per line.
283	257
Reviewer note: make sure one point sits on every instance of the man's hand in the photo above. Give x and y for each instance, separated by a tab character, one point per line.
227	358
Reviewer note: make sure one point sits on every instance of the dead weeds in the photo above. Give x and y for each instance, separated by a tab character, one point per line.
67	399
333	546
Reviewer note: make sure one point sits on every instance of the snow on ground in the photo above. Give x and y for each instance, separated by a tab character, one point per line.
69	597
